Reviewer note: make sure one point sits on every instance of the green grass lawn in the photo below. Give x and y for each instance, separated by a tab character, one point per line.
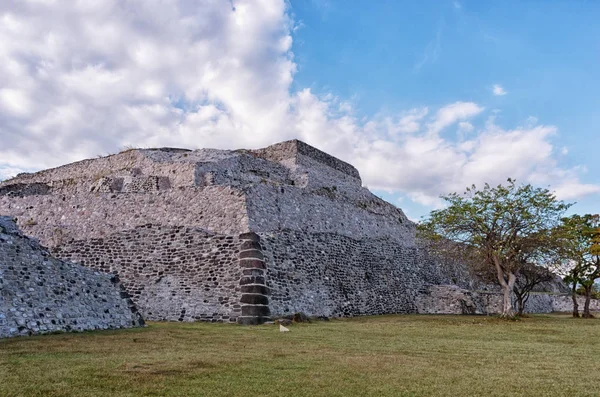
370	356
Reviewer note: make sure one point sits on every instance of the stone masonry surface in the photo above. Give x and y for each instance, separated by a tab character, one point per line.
40	294
171	272
57	218
332	275
220	235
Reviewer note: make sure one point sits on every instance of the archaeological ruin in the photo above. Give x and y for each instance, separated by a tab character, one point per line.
41	294
240	236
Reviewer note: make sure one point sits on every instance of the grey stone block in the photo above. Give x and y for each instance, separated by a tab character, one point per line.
255	310
254	299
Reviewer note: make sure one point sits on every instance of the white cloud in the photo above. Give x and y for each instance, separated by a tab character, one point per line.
498	90
15	102
574	190
112	72
85	78
465	126
531	121
452	113
423	165
407	122
410	121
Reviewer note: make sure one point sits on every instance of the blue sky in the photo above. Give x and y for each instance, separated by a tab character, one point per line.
423	97
392	55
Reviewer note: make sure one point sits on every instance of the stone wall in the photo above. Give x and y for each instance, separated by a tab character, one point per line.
172	273
237	169
273	208
283	151
328	274
41	294
58	218
181	228
451	299
285	186
564	303
78	177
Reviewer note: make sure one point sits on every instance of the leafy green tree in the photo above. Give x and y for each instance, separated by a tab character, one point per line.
581	235
501	225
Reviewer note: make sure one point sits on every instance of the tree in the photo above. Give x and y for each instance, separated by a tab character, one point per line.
536	257
528	277
571	278
581	236
502	225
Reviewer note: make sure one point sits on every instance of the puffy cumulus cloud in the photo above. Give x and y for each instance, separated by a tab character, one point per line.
81	78
85	77
423	165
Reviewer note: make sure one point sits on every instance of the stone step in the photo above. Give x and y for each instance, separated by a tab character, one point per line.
253	272
256	310
250	236
255	289
254	299
249	244
252	263
252	254
252	280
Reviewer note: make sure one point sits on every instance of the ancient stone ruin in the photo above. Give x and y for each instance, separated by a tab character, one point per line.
217	235
41	294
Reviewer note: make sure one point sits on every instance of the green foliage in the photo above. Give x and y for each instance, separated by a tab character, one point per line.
504	227
581	248
501	221
497	219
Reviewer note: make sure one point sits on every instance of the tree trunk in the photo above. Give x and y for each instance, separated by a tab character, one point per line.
574	297
586	306
507	288
520	304
507	306
525	299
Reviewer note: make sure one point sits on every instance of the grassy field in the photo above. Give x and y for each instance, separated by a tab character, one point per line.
371	356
